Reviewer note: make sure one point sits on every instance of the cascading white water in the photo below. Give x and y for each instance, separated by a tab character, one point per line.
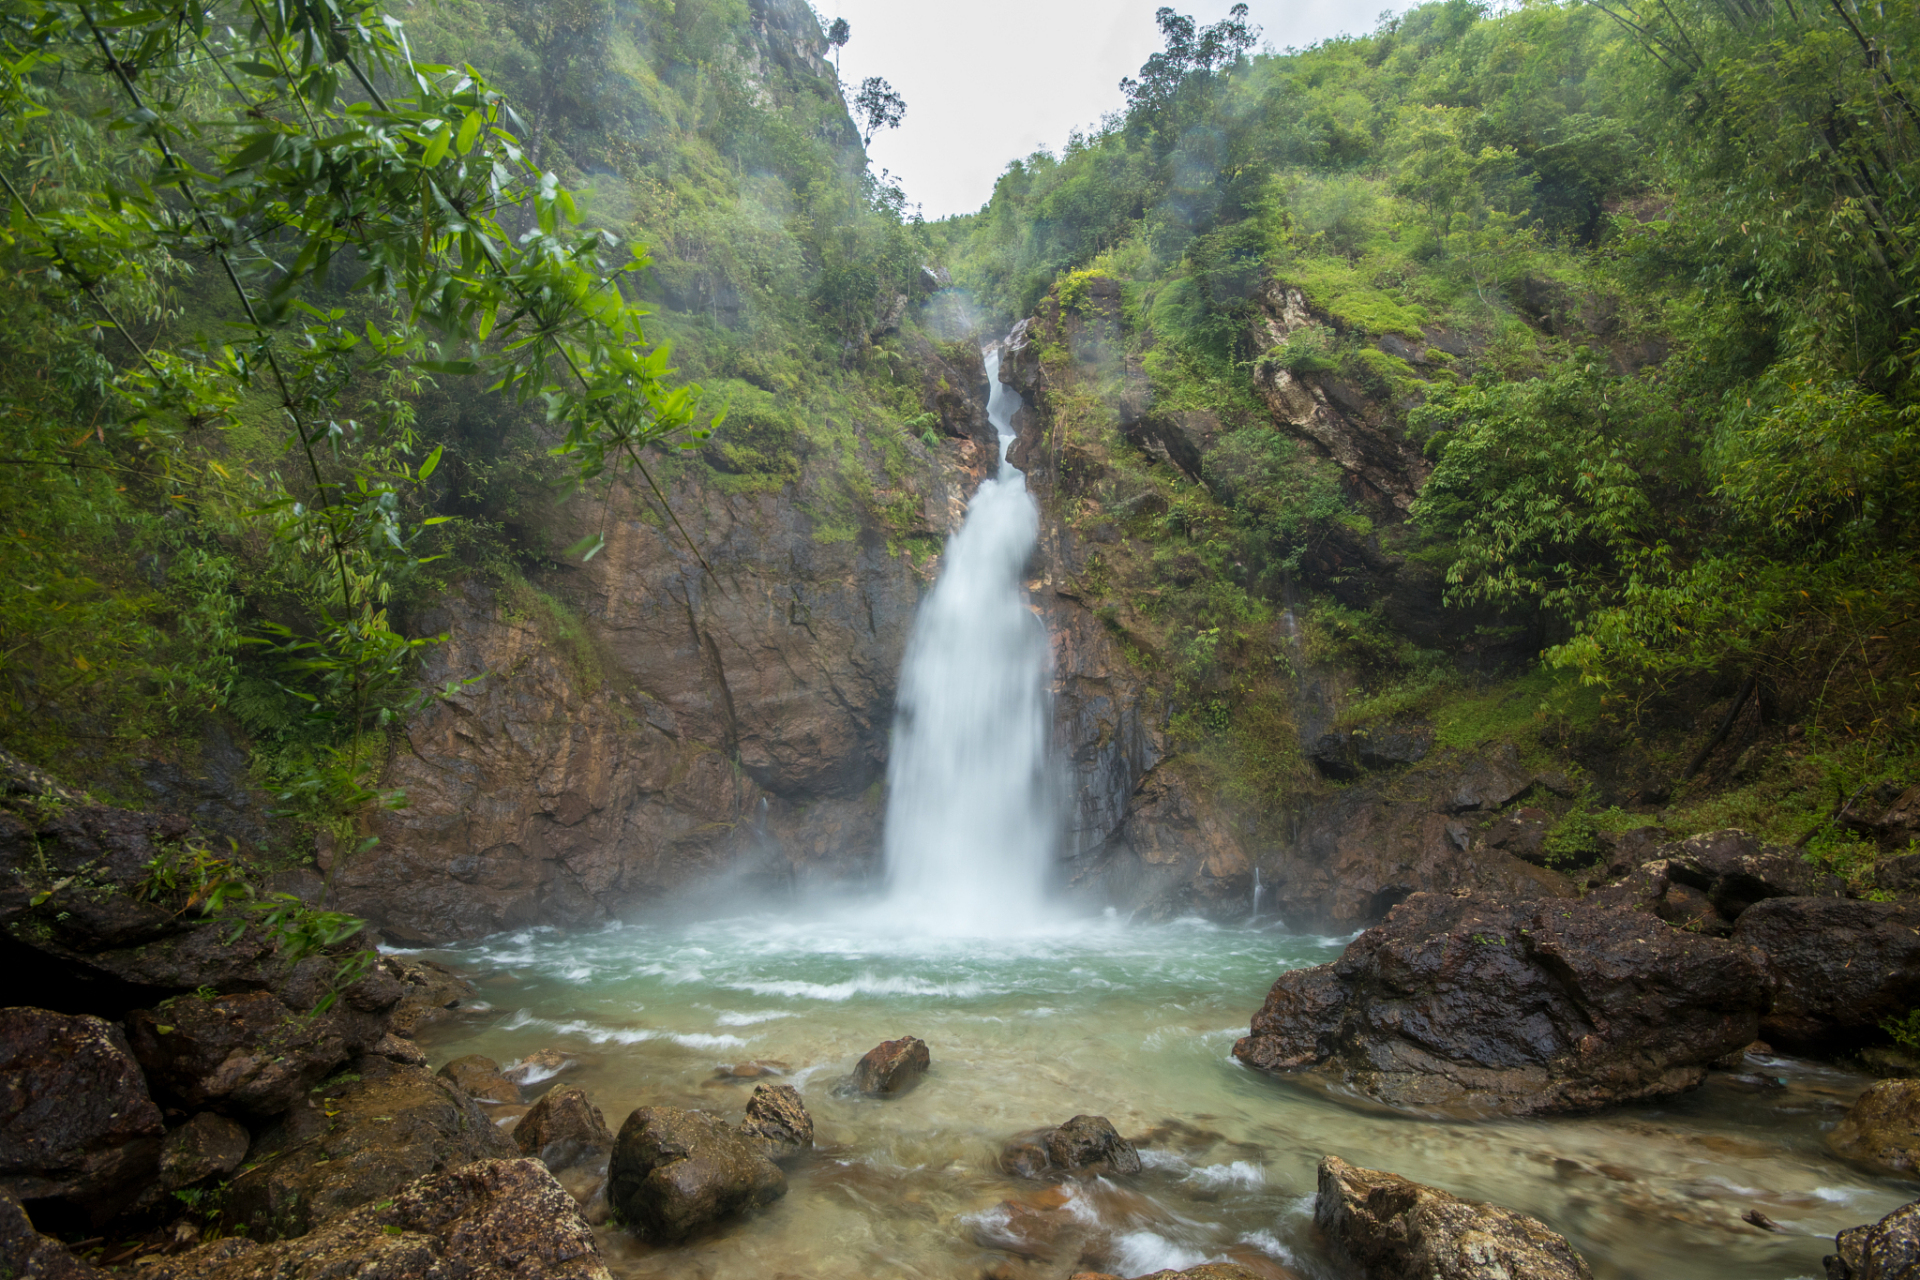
971	820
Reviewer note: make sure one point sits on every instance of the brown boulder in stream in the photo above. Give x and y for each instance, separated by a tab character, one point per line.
674	1172
893	1066
563	1129
777	1122
1481	1003
1083	1145
1882	1129
1399	1230
1885	1250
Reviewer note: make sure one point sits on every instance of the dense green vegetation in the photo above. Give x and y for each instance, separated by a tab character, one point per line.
1639	280
300	322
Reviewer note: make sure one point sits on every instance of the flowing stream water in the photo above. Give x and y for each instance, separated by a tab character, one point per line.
1033	1018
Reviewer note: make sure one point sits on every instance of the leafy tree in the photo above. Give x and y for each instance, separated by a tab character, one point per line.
342	209
878	106
837	35
1190	59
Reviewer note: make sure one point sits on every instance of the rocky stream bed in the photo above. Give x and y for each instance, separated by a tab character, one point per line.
1596	1086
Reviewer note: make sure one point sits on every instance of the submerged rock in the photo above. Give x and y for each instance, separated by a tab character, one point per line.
539	1065
674	1172
564	1129
1482	1003
489	1220
1842	968
1885	1250
1083	1145
1882	1129
75	1118
1399	1230
777	1122
479	1076
893	1066
363	1138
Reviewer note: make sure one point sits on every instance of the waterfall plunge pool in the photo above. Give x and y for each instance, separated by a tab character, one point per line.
1135	1023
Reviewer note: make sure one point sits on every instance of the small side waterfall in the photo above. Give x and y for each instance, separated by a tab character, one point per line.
971	817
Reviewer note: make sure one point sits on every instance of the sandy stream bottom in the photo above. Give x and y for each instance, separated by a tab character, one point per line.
1135	1023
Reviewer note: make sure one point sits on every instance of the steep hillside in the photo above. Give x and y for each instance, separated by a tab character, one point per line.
1460	409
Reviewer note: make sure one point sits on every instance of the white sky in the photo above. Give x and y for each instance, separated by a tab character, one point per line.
994	80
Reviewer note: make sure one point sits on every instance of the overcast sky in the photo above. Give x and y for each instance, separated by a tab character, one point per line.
994	80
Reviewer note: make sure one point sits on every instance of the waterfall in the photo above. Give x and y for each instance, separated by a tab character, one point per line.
971	815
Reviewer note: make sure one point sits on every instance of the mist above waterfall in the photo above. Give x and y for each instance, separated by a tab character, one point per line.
972	816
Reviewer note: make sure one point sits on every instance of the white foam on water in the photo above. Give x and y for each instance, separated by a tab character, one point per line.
621	1035
1269	1244
728	1018
1139	1253
1241	1173
525	1076
866	984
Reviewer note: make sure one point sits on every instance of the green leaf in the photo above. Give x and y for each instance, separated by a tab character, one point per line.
432	462
469	131
437	146
589	547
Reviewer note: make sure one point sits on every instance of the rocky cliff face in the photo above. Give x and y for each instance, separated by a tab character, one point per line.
646	723
643	723
1150	832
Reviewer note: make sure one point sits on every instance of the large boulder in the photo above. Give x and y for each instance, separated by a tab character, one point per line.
674	1172
207	1146
1432	829
1885	1250
28	1255
248	1051
1479	1003
380	1126
563	1129
1882	1129
75	1118
891	1067
1085	1145
777	1122
1654	890
489	1220
1735	871
430	993
1399	1230
1842	968
70	856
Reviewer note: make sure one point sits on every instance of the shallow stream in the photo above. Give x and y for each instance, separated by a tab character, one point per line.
1135	1023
